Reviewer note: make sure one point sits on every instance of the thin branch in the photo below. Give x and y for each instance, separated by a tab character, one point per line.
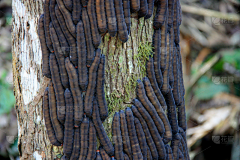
210	13
208	65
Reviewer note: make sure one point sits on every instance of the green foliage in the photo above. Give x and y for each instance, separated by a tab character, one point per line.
231	57
7	99
9	19
13	150
208	86
206	89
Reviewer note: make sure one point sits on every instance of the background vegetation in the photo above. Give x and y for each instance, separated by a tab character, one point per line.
8	119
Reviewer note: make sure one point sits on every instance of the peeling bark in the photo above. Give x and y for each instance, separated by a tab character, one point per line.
122	71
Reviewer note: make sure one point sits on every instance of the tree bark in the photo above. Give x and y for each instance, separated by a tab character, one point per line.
124	65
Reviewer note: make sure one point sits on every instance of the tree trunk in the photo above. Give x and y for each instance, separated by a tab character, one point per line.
124	65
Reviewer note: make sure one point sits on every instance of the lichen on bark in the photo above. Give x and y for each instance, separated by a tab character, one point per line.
125	63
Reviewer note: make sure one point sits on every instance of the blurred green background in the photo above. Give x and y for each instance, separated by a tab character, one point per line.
8	118
210	44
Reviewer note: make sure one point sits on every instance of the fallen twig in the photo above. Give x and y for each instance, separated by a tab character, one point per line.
210	13
201	72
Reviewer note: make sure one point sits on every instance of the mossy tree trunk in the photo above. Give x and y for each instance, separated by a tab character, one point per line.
124	65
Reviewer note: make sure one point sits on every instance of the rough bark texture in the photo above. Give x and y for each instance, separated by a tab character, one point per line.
124	65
